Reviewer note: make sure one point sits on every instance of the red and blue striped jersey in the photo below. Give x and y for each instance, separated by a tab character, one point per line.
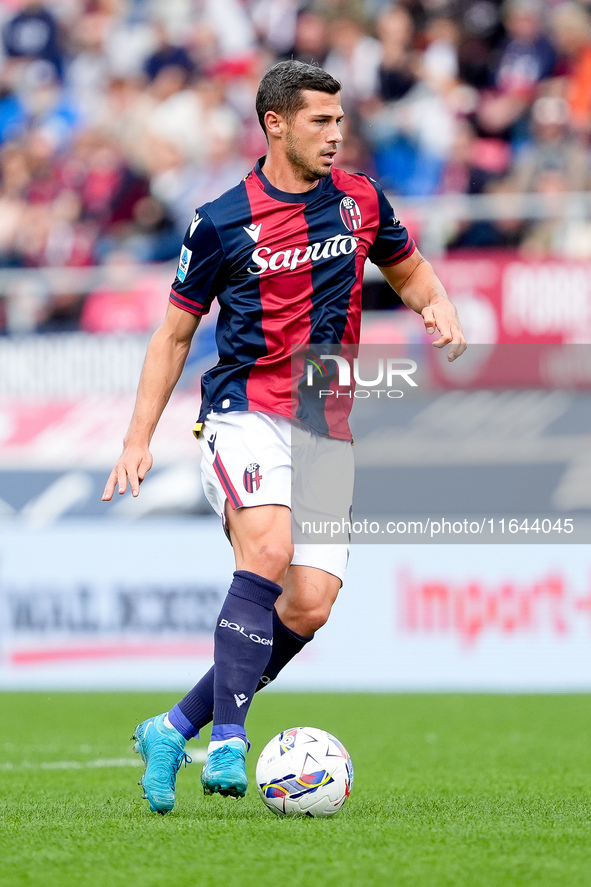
286	270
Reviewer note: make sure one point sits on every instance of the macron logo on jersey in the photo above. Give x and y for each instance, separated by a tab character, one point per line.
332	248
253	231
196	219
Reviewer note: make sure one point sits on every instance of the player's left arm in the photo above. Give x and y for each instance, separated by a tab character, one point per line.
418	286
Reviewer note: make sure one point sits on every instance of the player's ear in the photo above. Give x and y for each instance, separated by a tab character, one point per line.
274	123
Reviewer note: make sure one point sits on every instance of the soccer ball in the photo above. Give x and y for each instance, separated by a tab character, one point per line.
304	771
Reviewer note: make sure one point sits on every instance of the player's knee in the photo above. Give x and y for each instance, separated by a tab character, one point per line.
306	621
317	618
272	561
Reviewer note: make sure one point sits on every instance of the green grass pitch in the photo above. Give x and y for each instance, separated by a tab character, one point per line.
450	791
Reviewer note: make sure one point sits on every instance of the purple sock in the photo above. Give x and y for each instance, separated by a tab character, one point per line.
286	645
242	646
193	712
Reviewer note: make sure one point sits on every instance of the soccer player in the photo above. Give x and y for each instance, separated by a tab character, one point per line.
283	252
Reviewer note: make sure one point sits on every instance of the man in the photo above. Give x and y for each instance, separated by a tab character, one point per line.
283	252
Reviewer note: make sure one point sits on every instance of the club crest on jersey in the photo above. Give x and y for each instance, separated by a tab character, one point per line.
184	263
350	214
252	477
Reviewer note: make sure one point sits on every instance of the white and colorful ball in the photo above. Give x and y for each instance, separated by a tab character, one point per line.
304	770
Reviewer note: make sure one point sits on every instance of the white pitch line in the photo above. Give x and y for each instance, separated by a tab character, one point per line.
198	755
71	765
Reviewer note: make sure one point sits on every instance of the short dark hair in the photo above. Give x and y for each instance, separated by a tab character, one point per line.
280	90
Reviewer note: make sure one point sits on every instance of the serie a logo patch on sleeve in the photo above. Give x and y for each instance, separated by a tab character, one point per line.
184	263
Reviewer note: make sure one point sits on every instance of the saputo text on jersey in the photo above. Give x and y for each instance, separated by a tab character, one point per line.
331	248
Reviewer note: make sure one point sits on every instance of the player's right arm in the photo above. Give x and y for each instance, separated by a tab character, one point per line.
190	298
164	362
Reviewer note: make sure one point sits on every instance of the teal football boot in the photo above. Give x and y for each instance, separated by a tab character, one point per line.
225	771
163	751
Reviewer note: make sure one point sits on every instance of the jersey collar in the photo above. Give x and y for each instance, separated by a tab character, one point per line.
287	196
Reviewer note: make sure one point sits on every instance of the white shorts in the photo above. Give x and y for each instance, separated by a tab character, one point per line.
247	460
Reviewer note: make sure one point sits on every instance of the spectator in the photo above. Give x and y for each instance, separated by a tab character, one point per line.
547	235
571	25
413	137
87	73
153	236
276	22
172	176
70	241
354	58
396	72
44	180
204	104
14	180
526	59
33	34
48	107
482	33
440	57
310	41
528	55
463	173
128	40
552	149
222	29
497	233
222	165
120	113
167	55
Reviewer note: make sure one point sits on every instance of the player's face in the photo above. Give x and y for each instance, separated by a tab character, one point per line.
312	137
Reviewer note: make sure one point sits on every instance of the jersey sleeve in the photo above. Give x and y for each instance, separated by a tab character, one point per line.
200	261
393	243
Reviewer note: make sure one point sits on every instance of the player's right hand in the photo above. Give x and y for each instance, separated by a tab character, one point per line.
134	464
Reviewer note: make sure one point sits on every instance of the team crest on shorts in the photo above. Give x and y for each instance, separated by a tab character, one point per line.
350	214
252	477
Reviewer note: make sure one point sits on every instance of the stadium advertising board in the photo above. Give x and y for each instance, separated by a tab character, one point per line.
504	299
86	605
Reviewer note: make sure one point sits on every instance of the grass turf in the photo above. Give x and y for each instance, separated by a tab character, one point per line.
449	791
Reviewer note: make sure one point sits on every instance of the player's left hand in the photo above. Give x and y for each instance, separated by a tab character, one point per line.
442	315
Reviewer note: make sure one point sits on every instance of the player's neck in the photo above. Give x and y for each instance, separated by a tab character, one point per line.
284	176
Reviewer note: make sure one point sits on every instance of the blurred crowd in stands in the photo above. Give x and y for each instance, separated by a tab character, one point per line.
119	117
